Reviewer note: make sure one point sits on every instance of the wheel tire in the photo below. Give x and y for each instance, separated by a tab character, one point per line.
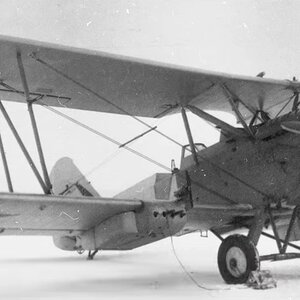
237	257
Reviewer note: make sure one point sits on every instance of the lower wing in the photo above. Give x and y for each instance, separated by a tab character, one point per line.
50	215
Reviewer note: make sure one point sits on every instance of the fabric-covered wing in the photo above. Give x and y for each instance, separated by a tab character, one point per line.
22	214
134	86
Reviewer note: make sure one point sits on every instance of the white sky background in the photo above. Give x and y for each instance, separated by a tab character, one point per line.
242	37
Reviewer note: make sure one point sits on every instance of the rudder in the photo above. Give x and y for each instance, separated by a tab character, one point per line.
66	179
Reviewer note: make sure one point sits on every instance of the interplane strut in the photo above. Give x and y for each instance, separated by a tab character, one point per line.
23	148
33	123
5	165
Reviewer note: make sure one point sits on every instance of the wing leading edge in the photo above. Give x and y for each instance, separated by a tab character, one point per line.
97	81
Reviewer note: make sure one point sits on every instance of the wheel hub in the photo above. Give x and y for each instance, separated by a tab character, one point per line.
233	263
236	261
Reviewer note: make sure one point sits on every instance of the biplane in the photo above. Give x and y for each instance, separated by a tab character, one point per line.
249	180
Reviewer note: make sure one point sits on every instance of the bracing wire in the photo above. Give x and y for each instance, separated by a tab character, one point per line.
101	97
91	171
108	158
156	162
98	133
285	105
111	156
106	137
103	162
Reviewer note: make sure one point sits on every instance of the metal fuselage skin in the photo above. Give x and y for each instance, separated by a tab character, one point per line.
242	171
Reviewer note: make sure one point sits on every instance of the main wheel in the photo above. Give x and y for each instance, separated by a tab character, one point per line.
237	257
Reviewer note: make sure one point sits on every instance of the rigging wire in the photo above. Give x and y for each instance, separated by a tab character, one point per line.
284	106
223	197
99	96
227	172
211	191
105	137
109	158
137	119
102	163
116	153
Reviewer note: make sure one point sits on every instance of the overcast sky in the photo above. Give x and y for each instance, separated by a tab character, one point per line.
242	37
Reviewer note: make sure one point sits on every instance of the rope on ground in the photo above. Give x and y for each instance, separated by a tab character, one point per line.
187	273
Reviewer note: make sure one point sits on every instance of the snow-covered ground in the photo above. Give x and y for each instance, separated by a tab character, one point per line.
32	268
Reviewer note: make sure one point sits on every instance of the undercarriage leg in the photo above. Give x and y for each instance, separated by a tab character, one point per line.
290	228
257	226
92	254
238	256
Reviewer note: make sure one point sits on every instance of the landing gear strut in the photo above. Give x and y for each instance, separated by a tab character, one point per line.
92	254
237	257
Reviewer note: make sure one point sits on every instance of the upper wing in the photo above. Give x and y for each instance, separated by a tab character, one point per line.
91	80
50	215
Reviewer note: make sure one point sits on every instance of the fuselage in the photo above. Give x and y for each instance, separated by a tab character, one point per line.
229	181
244	171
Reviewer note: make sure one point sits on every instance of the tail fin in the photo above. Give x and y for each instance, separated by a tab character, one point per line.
66	179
